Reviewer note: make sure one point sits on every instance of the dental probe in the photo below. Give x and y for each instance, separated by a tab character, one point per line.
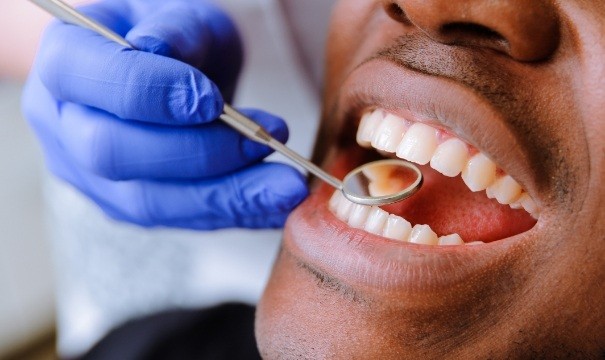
364	185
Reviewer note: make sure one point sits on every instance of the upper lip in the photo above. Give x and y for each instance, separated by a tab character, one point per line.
439	102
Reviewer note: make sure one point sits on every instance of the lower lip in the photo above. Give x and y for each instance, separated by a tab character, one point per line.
314	236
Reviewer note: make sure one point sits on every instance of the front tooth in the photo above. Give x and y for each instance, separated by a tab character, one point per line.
369	122
344	209
376	220
418	144
453	239
335	200
397	228
359	215
506	190
388	135
489	192
450	157
479	173
422	234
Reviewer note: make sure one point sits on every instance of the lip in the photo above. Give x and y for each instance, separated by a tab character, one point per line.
316	238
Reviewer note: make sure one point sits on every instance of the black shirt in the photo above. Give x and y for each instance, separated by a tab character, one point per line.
223	332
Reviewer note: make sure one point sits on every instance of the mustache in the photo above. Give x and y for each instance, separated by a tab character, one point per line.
473	67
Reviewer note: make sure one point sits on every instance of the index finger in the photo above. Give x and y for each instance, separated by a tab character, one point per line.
78	65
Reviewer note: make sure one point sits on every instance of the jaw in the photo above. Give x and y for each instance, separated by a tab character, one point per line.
306	313
482	304
338	292
341	292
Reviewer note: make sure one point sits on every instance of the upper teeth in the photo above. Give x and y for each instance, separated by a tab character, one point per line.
423	144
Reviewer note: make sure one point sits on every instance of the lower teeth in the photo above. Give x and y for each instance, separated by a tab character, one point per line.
378	222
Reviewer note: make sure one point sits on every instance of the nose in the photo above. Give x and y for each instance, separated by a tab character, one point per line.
526	30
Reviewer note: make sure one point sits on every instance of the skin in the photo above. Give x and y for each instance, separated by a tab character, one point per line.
539	65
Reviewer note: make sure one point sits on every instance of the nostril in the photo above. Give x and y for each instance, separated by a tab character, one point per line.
474	34
396	12
471	30
524	30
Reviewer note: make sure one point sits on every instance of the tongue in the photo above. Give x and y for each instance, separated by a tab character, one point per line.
448	206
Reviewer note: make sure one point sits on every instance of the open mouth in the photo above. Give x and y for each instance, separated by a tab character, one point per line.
466	198
479	186
478	179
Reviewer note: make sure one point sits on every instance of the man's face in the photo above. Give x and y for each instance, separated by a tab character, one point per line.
512	94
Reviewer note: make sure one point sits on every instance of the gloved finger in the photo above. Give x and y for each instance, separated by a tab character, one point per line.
120	150
77	65
202	28
260	196
203	37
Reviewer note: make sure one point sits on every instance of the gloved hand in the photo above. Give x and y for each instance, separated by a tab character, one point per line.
135	131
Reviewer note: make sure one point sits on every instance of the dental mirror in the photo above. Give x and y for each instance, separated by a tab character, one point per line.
382	182
377	183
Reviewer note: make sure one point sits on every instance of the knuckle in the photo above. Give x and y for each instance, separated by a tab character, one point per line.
193	95
201	102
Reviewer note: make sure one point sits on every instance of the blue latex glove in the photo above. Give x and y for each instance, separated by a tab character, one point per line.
135	130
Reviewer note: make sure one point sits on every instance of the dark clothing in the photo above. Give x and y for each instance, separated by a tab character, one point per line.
223	332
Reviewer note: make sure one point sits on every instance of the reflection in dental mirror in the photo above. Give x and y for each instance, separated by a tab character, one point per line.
382	182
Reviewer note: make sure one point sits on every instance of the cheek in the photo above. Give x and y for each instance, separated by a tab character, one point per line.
349	17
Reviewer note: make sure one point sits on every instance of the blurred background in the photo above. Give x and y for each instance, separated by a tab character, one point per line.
27	303
43	284
26	281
